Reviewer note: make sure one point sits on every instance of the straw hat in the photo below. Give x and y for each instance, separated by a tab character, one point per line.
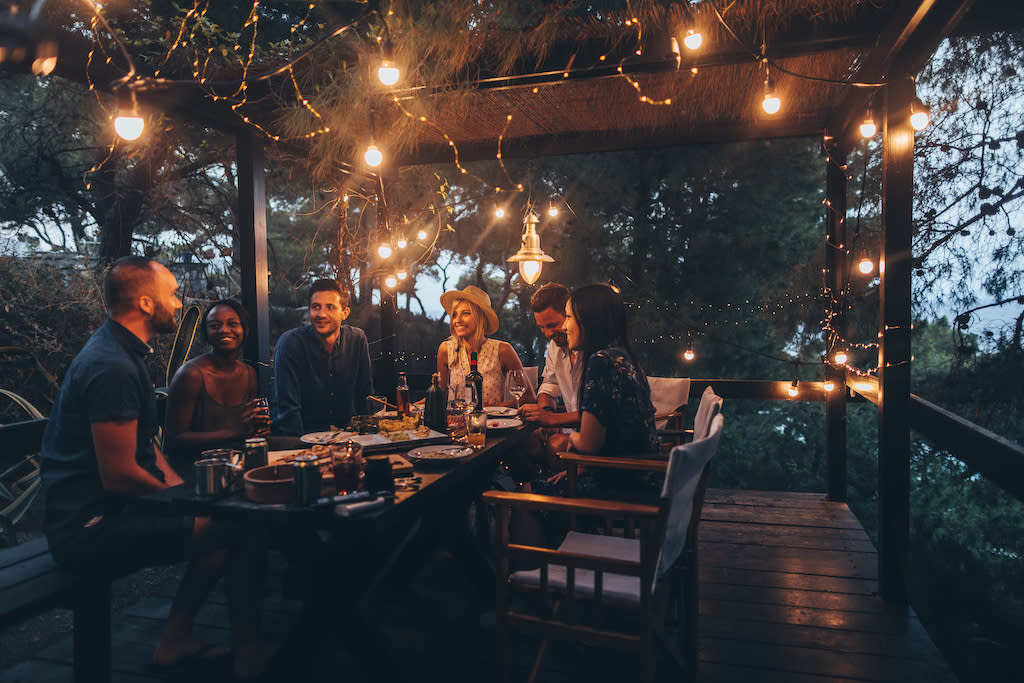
476	296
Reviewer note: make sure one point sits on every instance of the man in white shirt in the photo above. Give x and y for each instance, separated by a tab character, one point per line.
563	369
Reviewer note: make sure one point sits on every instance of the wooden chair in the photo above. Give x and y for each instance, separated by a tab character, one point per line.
709	406
650	573
669	396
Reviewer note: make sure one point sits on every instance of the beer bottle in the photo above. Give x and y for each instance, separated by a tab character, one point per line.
402	395
477	380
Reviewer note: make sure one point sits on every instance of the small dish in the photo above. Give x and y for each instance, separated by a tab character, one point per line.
444	453
325	437
504	423
501	411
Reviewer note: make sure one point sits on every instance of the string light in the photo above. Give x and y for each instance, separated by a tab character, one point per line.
421	235
794	388
693	40
771	102
384	250
387	73
373	156
840	357
865	265
552	210
867	126
403	274
829	385
919	114
391	281
689	354
128	124
499	212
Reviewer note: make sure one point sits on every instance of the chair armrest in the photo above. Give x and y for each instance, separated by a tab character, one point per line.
534	501
646	463
675	433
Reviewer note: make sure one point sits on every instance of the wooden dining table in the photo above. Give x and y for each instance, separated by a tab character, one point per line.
354	554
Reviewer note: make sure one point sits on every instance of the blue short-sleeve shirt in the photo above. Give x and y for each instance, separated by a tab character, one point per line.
107	381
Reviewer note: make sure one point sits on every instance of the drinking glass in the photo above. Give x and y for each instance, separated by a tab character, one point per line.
347	463
516	384
476	428
457	412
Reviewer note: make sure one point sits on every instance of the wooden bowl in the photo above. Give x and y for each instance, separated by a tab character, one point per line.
272	484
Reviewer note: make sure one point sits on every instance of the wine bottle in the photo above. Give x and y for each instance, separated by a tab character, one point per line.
477	380
434	409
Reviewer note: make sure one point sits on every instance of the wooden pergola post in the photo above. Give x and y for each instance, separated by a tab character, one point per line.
894	342
836	267
252	252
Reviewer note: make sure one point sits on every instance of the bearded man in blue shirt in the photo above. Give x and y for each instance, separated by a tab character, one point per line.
98	455
322	370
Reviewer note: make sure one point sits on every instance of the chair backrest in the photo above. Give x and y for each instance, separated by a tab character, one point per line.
685	476
668	394
710	405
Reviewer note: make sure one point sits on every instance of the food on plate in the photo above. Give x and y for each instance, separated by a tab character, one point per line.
403	429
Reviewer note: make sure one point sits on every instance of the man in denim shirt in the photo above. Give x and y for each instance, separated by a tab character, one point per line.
322	371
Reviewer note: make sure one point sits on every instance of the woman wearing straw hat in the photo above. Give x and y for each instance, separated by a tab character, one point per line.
472	319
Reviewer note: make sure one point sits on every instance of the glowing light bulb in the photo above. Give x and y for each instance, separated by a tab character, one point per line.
499	212
794	389
391	281
421	235
373	156
771	102
689	353
919	120
868	127
129	127
865	265
384	251
830	386
402	242
530	271
840	357
552	210
693	39
402	275
388	73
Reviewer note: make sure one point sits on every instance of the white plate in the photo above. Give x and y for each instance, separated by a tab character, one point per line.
326	437
439	454
501	411
504	423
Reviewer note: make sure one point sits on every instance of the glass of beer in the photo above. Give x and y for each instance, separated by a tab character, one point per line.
476	428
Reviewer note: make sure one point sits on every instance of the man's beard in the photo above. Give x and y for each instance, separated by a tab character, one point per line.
163	320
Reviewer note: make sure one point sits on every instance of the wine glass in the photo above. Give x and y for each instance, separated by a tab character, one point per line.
517	384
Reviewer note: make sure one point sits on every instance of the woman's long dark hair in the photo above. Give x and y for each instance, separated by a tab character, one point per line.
600	314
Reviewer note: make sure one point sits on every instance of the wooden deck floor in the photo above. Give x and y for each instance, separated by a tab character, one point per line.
788	593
